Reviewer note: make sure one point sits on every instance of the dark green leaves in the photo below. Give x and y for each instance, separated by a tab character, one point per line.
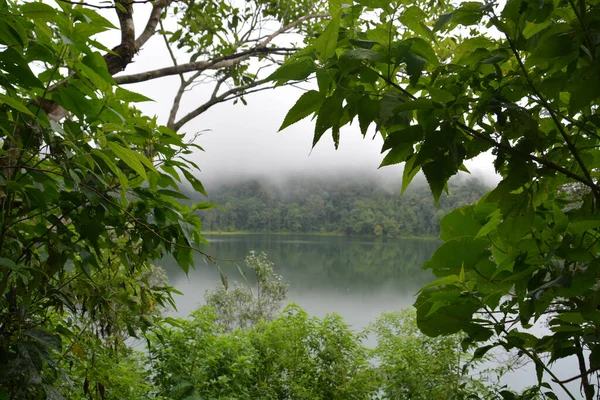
354	58
458	223
445	310
329	116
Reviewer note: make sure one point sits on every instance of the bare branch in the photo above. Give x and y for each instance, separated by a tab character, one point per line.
219	62
231	94
226	61
182	85
153	20
216	100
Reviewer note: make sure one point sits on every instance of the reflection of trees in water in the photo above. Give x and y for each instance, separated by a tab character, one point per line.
332	262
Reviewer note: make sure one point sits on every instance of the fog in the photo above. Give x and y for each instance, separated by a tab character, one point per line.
243	142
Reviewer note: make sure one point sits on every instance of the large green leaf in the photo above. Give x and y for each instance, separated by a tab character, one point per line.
444	310
463	252
14	103
129	157
307	104
460	222
327	42
295	69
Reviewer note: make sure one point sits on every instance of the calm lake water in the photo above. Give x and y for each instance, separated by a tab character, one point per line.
359	278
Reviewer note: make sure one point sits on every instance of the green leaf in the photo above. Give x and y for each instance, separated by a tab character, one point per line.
408	135
129	157
48	340
396	156
14	103
437	176
307	104
518	218
480	352
409	172
329	116
129	96
195	182
294	70
414	68
464	251
327	42
557	42
458	223
423	49
413	18
6	262
453	310
443	21
446	280
352	59
113	167
500	57
38	10
368	112
417	104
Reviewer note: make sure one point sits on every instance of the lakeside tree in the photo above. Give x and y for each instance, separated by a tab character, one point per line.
260	297
89	185
443	83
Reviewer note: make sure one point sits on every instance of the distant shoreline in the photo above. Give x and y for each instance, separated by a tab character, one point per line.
336	234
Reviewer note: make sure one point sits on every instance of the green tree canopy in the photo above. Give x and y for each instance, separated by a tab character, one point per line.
443	83
90	186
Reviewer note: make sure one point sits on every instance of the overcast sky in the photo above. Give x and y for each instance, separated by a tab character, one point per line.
242	141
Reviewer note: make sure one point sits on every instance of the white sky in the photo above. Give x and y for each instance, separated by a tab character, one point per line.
242	141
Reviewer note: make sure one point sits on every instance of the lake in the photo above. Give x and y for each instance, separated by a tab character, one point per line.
356	277
359	278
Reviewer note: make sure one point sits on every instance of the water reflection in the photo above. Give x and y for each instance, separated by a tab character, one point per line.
356	277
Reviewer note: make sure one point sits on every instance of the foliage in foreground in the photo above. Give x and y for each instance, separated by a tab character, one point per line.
296	356
90	186
443	83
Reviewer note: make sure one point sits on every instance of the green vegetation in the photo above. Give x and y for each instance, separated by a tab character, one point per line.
296	356
90	196
238	307
328	207
89	185
445	82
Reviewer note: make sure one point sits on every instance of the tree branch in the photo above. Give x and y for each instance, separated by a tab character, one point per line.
226	96
153	21
214	100
124	52
182	84
220	62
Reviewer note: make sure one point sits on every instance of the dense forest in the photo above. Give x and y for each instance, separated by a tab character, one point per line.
347	206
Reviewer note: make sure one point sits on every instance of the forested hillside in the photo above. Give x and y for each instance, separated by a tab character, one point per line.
346	206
